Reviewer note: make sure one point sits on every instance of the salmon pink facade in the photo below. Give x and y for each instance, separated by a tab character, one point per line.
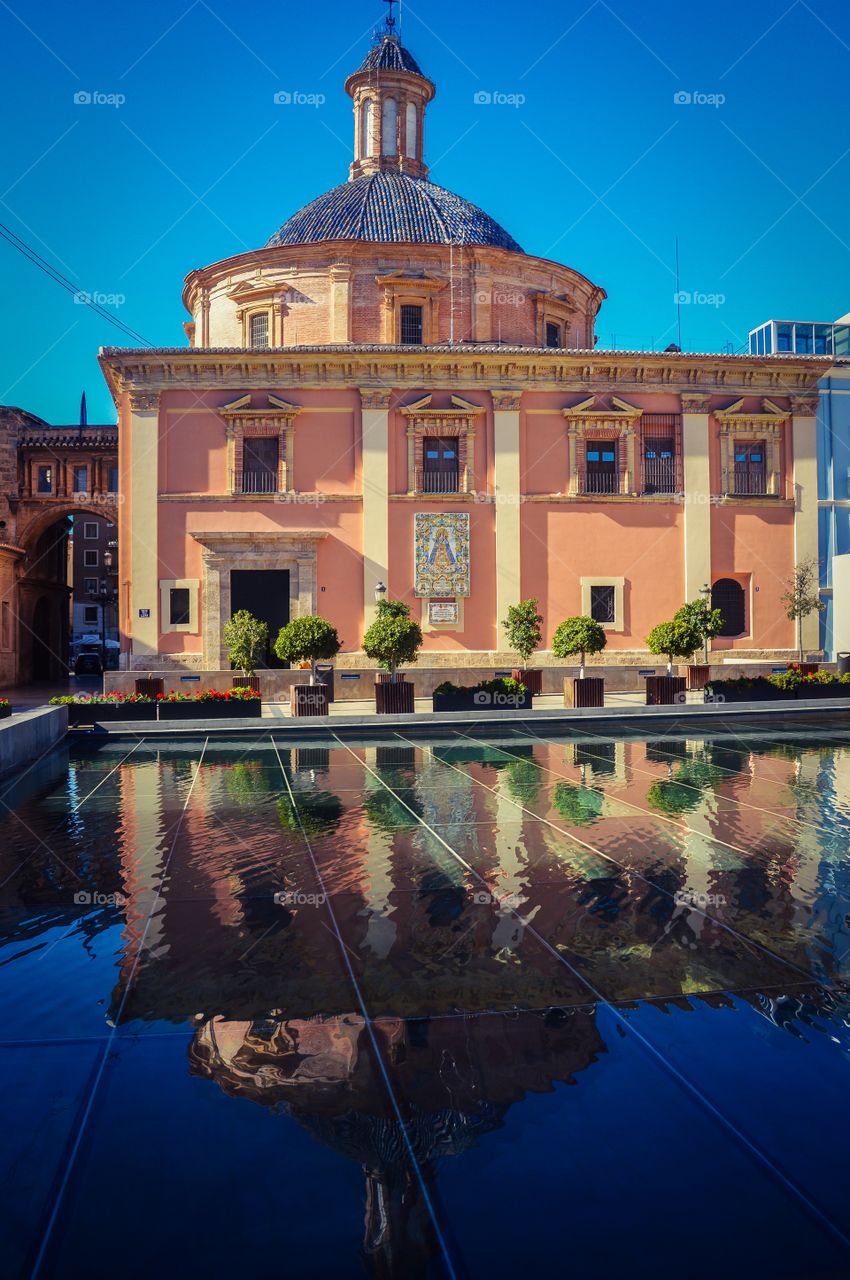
392	393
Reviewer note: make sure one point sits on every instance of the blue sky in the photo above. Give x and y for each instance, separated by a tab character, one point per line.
599	166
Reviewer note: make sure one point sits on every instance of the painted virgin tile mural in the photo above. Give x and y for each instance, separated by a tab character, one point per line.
442	554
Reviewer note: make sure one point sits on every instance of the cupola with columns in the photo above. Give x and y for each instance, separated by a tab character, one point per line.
390	95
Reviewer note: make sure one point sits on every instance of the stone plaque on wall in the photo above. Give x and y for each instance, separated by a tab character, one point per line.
441	554
442	611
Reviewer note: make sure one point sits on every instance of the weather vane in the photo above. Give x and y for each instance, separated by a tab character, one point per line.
390	17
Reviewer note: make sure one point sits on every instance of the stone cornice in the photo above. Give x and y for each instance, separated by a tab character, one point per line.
486	366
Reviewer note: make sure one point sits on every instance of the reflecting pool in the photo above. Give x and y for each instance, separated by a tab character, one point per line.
571	1005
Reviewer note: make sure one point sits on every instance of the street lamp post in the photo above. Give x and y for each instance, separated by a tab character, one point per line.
105	597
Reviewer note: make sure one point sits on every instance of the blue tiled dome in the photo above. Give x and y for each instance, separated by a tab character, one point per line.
393	208
389	55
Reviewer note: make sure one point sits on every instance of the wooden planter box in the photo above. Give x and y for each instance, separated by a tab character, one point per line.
481	701
5	712
697	675
236	710
664	691
533	680
247	682
310	700
589	692
394	699
107	712
149	688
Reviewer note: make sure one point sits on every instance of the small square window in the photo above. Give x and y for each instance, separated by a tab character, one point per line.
602	604
179	606
90	586
90	613
91	559
91	529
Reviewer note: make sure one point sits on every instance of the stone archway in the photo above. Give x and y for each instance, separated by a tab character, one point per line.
223	552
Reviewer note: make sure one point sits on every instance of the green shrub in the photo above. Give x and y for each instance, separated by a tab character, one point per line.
578	635
309	639
246	639
522	627
393	638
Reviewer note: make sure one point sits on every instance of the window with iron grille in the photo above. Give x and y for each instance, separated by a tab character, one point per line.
729	597
90	586
179	606
602	604
440	464
260	329
260	464
411	325
91	559
659	464
601	475
750	468
553	334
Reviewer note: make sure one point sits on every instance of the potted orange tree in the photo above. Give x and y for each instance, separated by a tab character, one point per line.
393	638
523	630
581	635
675	639
247	639
706	623
309	639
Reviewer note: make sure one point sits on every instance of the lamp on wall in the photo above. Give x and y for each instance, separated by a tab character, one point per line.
705	590
380	592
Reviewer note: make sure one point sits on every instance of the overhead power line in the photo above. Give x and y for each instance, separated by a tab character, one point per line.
81	295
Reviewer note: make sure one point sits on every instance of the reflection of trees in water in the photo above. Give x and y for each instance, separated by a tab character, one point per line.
455	1078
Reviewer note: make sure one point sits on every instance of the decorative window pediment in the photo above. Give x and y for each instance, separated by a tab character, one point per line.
587	426
554	309
455	421
276	421
410	290
738	426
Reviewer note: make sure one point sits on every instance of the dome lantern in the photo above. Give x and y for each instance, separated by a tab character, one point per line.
390	95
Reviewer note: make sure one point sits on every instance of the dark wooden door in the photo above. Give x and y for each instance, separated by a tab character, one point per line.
265	593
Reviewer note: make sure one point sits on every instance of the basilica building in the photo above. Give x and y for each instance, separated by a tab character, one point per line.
393	393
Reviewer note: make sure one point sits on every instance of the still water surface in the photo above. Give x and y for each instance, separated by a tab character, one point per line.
455	1009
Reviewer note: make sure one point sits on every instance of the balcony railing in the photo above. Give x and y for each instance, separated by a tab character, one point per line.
259	482
440	481
598	482
742	482
659	475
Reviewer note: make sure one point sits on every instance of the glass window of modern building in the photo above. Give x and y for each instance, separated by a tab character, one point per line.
800	337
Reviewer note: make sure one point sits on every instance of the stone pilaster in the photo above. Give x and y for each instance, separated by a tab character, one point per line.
804	444
697	494
375	472
507	489
142	572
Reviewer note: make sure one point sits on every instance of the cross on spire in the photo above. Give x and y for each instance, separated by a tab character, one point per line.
390	17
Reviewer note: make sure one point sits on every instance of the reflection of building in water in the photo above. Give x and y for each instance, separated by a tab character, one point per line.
457	1078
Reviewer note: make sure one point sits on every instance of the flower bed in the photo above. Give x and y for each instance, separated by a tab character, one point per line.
99	707
502	694
209	704
5	708
790	685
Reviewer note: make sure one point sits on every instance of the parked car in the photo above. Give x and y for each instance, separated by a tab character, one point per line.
88	664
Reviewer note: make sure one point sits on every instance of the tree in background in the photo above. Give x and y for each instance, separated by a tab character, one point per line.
675	639
704	621
579	635
308	639
523	628
803	597
247	640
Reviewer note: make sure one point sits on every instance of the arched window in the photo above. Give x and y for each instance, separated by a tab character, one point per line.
728	596
410	140
366	127
389	127
259	330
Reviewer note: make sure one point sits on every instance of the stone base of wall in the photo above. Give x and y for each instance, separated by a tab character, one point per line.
30	734
275	685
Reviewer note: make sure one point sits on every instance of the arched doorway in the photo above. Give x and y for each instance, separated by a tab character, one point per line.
42	658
